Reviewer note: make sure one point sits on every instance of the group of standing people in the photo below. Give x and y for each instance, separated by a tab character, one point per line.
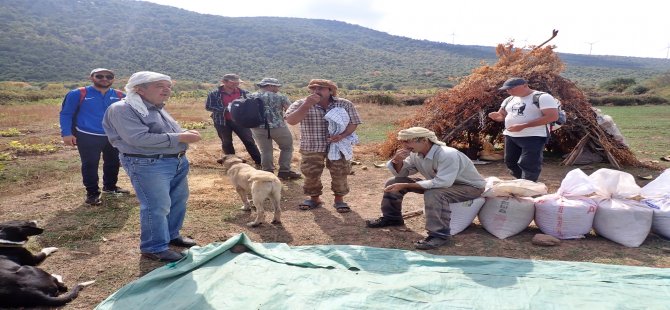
134	131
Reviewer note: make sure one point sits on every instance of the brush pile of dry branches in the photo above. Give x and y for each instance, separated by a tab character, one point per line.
459	116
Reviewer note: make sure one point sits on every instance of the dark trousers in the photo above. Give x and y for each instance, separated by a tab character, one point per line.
523	156
90	147
225	133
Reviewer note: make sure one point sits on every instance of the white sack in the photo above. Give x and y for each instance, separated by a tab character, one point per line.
568	214
463	213
618	217
656	195
513	188
563	217
506	216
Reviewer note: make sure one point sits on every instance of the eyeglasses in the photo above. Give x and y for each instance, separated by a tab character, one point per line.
108	76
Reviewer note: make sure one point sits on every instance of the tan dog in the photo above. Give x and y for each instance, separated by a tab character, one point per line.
261	184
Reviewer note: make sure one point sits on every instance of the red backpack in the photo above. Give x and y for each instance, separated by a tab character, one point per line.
82	94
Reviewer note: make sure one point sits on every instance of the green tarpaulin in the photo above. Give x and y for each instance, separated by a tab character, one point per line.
276	276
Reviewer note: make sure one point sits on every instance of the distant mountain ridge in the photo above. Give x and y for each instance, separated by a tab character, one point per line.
61	40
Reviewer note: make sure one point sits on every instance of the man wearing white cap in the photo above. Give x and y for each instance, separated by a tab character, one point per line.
81	125
450	177
152	149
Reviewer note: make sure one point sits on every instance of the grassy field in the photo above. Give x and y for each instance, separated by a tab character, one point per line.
101	242
646	129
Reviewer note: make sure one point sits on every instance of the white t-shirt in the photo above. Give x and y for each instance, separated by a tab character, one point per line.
522	110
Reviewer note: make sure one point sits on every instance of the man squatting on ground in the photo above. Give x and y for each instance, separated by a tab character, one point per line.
152	149
450	177
81	125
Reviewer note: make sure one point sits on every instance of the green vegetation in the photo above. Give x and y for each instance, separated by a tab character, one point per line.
645	128
31	149
11	132
46	40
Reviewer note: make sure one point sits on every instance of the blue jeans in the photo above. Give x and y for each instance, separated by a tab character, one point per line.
90	147
523	156
162	189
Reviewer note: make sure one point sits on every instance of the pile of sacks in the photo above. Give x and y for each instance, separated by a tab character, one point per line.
608	201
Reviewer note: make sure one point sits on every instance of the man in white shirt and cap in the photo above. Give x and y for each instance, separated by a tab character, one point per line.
449	177
152	149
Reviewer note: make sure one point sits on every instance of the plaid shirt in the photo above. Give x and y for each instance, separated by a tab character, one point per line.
314	128
217	103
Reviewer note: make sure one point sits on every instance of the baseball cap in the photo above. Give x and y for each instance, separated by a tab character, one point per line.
96	70
512	82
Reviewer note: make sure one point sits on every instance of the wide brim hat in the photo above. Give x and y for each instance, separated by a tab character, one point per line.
323	83
268	81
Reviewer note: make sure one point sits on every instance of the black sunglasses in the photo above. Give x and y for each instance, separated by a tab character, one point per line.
108	76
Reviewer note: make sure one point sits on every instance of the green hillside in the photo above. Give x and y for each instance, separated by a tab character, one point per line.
61	40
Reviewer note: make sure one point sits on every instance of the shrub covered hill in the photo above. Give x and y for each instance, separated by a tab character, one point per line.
61	40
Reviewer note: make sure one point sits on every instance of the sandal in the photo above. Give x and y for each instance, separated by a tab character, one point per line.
309	204
342	207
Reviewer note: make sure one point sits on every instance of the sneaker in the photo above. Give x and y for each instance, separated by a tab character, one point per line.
430	243
93	199
289	175
383	222
116	191
165	256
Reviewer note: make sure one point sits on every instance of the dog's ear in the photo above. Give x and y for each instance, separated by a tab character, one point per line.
19	231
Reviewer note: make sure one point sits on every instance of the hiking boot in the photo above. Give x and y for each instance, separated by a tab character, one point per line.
184	242
383	222
93	199
289	175
165	256
431	242
116	191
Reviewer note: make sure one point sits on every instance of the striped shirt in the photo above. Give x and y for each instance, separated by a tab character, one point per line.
314	127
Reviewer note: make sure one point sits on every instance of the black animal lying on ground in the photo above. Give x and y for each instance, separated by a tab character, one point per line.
22	284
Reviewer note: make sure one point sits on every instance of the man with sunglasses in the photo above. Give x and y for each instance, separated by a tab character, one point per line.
81	126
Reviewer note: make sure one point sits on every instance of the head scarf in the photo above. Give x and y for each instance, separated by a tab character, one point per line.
419	132
138	78
324	83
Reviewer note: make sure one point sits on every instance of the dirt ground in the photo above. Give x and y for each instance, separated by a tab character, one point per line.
101	242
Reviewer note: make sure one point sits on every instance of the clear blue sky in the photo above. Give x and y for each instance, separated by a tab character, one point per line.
625	28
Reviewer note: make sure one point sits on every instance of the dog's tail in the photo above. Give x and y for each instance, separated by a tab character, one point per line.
58	301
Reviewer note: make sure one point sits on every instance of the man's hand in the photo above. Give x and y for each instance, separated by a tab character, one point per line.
189	136
312	100
400	155
516	127
70	140
497	116
335	138
395	187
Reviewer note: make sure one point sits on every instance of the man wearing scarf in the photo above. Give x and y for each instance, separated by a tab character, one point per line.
152	149
449	177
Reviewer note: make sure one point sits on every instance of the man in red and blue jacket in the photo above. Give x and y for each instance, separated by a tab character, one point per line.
81	125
